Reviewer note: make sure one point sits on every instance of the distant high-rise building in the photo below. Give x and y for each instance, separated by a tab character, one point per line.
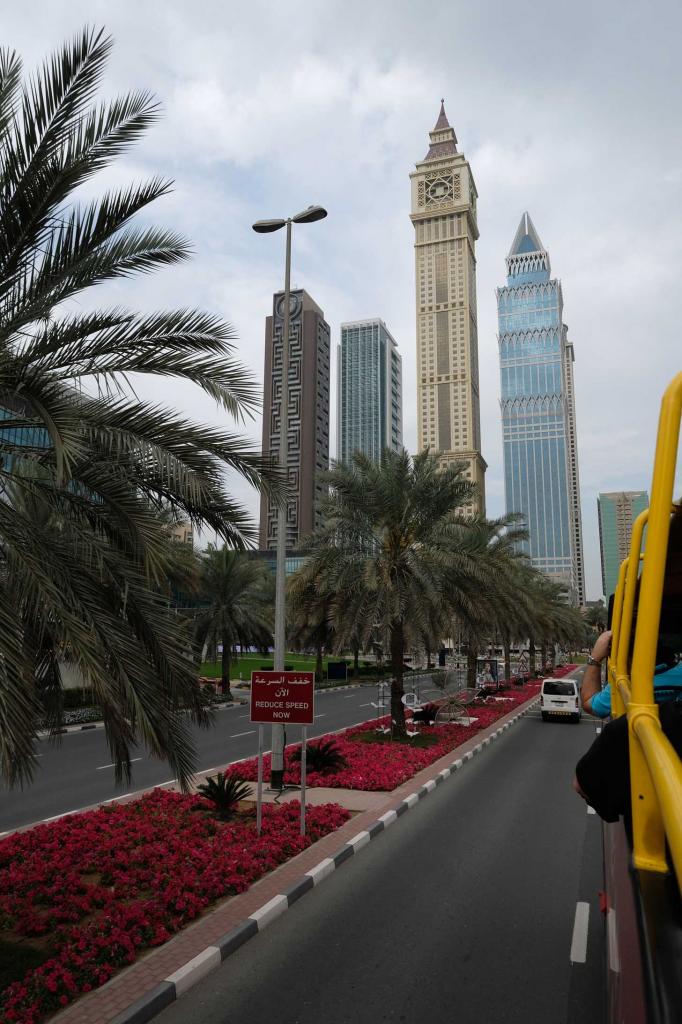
308	414
538	412
617	510
444	218
182	533
370	386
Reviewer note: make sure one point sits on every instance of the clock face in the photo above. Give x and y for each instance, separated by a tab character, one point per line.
294	306
439	190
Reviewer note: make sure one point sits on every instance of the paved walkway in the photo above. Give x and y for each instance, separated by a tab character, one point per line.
102	1005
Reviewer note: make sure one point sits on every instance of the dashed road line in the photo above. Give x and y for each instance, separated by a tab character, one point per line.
112	765
578	954
236	735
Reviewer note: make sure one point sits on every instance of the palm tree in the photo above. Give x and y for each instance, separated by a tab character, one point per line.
551	618
86	467
238	592
395	548
310	617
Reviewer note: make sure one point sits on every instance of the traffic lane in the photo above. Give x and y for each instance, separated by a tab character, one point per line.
75	771
463	910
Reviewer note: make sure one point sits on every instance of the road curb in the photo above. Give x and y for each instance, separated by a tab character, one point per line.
166	992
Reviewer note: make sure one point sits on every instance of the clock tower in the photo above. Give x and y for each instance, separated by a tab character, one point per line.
444	218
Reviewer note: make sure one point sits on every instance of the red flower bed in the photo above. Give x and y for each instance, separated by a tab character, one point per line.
559	673
103	885
383	766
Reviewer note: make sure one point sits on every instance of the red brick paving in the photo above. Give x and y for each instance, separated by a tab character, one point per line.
102	1005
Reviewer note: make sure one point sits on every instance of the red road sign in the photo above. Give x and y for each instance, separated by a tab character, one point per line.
279	698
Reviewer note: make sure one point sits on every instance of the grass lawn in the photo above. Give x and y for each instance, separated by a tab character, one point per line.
247	663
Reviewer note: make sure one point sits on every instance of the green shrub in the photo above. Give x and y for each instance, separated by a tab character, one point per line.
323	756
224	792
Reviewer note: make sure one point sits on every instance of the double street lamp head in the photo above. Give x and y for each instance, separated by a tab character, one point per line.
305	217
309	215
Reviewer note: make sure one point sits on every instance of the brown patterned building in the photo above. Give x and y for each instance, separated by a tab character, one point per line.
308	442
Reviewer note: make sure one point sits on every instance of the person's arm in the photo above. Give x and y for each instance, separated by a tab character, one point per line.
591	683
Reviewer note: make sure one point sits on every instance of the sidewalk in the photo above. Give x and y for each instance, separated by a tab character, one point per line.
252	910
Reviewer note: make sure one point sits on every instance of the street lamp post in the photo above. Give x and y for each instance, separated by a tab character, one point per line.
312	213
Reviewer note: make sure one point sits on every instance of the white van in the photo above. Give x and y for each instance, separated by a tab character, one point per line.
559	698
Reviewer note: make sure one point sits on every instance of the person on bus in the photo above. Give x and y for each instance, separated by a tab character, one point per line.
598	778
602	775
668	671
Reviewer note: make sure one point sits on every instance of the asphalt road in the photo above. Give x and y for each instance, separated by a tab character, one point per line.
463	911
76	771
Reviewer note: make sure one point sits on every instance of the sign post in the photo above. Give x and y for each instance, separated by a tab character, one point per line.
282	698
259	796
304	767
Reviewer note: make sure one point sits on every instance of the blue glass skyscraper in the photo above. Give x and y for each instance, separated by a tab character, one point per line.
538	412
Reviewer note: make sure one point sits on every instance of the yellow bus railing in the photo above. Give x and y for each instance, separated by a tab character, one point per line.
615	622
655	768
621	645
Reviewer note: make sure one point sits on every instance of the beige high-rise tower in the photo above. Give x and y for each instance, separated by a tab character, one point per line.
444	218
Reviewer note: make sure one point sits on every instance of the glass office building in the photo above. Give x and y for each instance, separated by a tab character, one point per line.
538	412
617	511
370	391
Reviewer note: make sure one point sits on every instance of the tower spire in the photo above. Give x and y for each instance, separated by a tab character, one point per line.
443	138
442	121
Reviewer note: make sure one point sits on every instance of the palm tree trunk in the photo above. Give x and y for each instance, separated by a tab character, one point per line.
225	670
507	657
472	659
543	654
531	657
319	665
429	666
356	660
397	656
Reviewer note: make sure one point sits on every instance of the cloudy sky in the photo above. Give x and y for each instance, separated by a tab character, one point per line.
568	111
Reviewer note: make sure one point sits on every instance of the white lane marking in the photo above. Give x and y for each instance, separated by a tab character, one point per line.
365	705
112	765
319	716
242	716
590	810
350	696
578	954
236	735
612	936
